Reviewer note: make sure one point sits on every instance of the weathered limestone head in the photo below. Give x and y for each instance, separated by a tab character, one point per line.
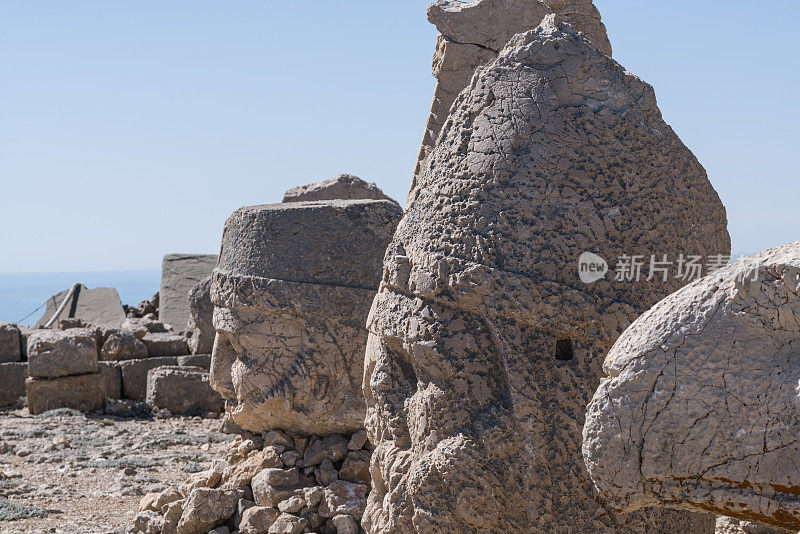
484	345
291	294
473	33
701	406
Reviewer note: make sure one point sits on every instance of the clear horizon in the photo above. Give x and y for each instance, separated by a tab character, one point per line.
131	131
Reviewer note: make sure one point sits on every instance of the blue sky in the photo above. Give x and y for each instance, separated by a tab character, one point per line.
129	130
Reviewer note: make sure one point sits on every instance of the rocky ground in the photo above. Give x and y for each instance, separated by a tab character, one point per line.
64	471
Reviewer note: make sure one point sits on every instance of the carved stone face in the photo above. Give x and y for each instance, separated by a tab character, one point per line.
278	369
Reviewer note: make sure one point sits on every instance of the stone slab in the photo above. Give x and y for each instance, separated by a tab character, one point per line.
82	392
165	344
134	375
97	306
55	353
112	377
195	360
10	344
12	382
179	274
182	390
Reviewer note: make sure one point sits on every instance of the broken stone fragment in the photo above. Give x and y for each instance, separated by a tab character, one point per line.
10	343
179	274
200	328
341	497
257	520
165	344
207	508
122	345
182	390
288	524
342	187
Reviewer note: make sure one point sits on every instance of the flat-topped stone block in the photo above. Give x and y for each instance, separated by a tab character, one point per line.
182	390
55	353
179	274
82	392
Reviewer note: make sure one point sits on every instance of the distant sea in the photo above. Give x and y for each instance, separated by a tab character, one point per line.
21	293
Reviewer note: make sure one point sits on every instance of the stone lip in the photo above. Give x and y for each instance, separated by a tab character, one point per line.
330	242
700	407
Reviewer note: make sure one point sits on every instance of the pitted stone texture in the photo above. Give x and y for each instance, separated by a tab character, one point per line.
473	33
100	306
553	150
291	294
54	353
700	407
134	375
729	525
179	274
201	318
10	343
182	390
342	187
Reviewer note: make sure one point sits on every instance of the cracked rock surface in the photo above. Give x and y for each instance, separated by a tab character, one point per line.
700	406
553	150
473	33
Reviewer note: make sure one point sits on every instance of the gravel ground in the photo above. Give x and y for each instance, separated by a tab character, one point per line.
64	471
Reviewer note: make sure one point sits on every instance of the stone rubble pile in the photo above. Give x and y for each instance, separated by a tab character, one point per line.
280	482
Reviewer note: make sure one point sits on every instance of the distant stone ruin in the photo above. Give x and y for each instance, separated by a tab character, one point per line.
100	306
699	408
179	274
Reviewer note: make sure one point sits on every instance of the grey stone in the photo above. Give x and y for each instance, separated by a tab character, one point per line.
182	390
54	353
112	377
96	306
292	290
141	326
10	343
12	382
165	344
355	467
288	524
200	328
196	360
325	473
333	447
551	151
342	187
257	519
179	274
134	375
357	441
81	392
206	509
699	406
122	345
345	524
341	497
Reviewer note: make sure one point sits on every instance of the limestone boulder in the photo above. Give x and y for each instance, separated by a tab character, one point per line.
55	353
258	520
84	392
485	346
201	318
165	344
12	382
182	390
291	293
10	343
206	508
179	274
100	306
699	408
342	187
134	375
122	345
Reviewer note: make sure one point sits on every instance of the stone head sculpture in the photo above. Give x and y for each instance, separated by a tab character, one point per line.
291	294
484	344
701	406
